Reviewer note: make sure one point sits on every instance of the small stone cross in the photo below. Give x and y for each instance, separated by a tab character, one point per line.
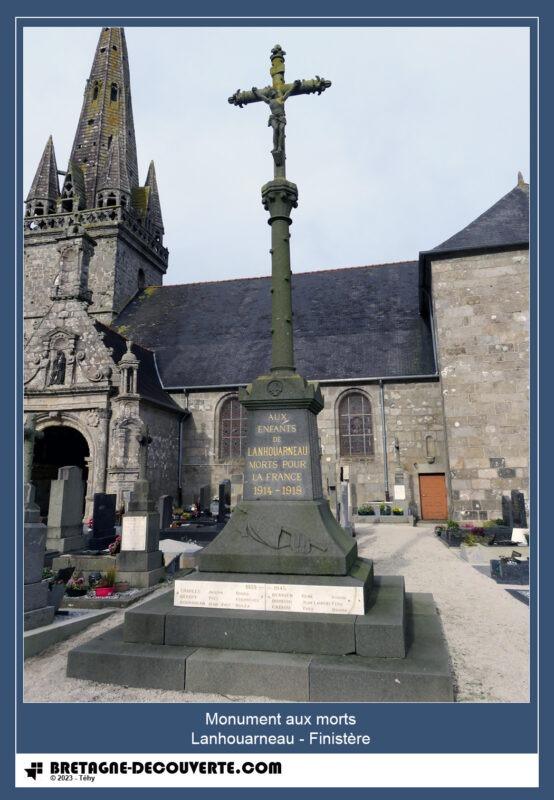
30	435
144	440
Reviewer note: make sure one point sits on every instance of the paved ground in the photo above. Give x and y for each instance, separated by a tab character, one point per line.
486	628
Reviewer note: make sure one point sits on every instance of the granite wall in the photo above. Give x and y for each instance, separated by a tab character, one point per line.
414	434
481	309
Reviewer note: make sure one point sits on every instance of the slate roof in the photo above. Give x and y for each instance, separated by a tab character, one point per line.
148	383
504	224
349	323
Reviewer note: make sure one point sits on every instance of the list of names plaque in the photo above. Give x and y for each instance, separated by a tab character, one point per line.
299	598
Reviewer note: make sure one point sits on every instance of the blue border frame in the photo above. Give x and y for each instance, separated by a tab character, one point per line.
394	728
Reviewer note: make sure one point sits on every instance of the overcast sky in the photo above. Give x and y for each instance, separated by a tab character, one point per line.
421	131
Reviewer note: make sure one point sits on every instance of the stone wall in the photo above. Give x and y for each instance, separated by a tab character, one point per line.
413	412
201	463
163	453
40	267
113	274
481	309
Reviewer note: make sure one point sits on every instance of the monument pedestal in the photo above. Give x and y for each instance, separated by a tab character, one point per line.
395	652
36	610
281	606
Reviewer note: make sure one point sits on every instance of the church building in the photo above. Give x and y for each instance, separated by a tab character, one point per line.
423	364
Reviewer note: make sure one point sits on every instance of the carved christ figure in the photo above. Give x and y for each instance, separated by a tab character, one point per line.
275	99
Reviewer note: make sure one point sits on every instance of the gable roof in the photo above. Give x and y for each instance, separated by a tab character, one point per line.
352	323
504	224
148	382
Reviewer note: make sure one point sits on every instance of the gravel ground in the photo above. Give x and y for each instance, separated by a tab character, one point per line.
486	628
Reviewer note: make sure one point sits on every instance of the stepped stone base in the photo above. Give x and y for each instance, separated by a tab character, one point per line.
68	544
38	617
302	657
142	579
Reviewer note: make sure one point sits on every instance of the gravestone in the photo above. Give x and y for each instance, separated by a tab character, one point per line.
205	497
36	611
224	500
165	509
507	512
103	521
518	509
345	507
140	561
65	512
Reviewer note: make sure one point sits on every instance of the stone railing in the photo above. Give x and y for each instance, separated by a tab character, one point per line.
109	215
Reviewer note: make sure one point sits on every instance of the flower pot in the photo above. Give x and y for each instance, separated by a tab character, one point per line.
75	592
104	591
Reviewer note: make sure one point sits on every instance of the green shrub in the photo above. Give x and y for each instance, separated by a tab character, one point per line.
399	512
452	525
366	510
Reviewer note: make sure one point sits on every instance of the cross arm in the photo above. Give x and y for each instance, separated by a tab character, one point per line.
312	86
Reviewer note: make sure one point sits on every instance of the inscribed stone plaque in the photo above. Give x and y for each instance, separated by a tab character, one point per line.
282	457
304	599
399	492
133	533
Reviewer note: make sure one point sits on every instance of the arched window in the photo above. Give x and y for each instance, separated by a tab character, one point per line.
355	425
95	91
113	92
141	281
111	199
232	429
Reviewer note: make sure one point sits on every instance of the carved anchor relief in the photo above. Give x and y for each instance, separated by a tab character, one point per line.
277	537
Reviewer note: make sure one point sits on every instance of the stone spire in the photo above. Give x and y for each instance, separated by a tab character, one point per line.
45	190
154	208
106	113
113	183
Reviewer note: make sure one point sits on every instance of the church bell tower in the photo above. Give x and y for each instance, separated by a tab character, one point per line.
100	192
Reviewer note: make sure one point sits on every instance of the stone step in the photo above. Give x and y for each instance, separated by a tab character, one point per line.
423	675
380	632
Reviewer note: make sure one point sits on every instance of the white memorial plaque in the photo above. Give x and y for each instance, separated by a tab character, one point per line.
399	491
133	533
299	598
220	594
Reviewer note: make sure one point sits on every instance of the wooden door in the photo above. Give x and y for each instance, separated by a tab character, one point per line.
432	493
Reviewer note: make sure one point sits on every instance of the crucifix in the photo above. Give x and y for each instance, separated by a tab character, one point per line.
279	197
275	97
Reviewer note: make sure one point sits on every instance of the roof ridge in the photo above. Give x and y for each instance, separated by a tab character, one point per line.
306	272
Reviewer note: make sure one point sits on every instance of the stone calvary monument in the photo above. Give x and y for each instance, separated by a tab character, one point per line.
281	604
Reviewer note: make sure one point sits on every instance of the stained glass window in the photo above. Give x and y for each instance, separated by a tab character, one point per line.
355	425
232	430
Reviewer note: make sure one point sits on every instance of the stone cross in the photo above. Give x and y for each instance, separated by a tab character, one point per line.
144	440
279	197
30	435
275	97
